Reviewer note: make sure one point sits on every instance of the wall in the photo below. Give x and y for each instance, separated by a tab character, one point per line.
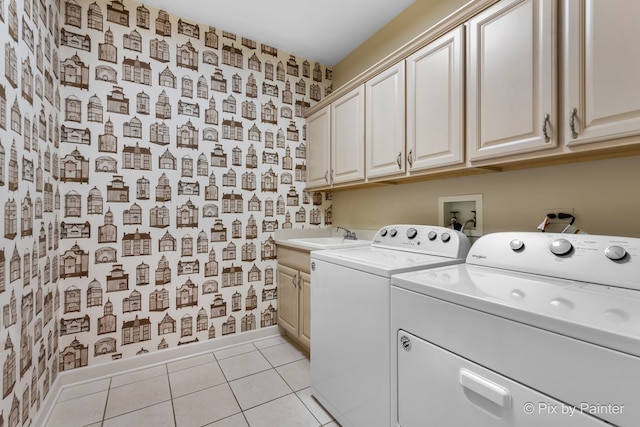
601	193
182	149
409	24
29	297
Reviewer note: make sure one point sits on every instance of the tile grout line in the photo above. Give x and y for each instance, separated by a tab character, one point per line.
173	408
106	402
231	389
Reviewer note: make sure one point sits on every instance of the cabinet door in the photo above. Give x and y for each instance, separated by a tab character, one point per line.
318	148
511	79
435	103
385	123
305	309
288	307
347	136
602	70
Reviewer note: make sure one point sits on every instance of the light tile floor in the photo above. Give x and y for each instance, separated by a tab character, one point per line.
265	383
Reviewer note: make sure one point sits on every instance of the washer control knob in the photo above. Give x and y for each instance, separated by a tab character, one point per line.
560	247
412	233
383	232
615	253
393	232
516	245
432	235
445	237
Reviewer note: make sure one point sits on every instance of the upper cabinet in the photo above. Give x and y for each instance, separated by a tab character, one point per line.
602	70
511	93
319	148
347	137
435	103
484	89
385	123
335	146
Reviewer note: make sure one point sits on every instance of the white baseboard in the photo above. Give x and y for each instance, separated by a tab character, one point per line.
122	366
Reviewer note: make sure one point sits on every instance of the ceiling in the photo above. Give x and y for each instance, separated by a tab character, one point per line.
324	31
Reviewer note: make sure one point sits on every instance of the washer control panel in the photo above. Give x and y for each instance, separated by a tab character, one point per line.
592	258
428	239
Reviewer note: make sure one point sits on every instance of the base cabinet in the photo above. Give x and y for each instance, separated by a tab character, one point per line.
294	295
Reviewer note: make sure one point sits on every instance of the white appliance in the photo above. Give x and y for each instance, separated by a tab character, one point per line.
350	291
536	329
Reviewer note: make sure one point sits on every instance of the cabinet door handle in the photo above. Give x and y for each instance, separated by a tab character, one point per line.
293	280
326	176
572	123
399	160
547	138
410	158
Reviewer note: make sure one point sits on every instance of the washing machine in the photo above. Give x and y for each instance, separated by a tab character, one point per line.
350	317
535	329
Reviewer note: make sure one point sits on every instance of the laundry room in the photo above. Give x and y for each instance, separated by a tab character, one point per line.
269	215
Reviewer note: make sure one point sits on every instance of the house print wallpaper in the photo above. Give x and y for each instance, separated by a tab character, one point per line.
146	161
30	299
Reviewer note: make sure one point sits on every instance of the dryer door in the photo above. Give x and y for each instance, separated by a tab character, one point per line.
439	388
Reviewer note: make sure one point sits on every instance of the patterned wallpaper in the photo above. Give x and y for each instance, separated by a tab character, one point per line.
146	161
29	194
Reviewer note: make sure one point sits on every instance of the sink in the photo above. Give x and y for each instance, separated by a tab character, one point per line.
329	242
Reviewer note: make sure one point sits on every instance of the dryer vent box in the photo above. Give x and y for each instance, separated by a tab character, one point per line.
464	206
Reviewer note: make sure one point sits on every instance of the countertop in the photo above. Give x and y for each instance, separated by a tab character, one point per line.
290	238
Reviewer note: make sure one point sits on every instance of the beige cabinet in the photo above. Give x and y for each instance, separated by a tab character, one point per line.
435	103
511	79
385	123
335	146
319	148
347	137
601	70
294	294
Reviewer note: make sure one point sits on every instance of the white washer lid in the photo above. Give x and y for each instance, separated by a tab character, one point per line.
599	314
381	261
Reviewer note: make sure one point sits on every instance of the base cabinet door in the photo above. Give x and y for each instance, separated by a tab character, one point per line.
305	309
511	93
288	306
602	70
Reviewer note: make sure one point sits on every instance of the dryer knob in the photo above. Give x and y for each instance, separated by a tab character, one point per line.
560	247
383	232
516	244
412	233
393	232
445	237
615	253
432	235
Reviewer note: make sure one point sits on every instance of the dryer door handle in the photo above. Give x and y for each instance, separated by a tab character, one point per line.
485	388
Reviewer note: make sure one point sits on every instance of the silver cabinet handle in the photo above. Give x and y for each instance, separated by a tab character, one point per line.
294	281
572	123
326	176
544	128
410	158
399	160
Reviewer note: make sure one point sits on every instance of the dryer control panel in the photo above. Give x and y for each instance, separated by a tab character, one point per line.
607	260
427	239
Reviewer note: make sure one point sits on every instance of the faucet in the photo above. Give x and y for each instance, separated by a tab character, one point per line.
348	234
